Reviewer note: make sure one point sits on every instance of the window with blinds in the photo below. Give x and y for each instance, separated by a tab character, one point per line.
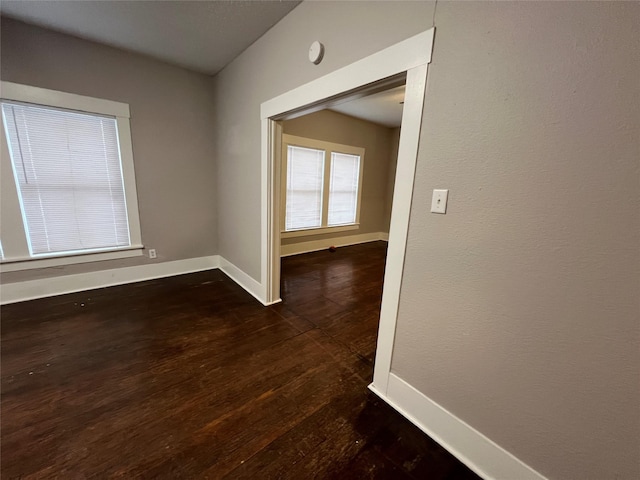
322	184
343	190
69	178
305	181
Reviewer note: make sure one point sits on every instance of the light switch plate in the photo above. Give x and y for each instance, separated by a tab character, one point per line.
439	201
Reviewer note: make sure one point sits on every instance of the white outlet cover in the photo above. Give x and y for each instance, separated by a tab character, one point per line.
439	201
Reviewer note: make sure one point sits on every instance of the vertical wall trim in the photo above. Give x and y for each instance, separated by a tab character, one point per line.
399	227
414	52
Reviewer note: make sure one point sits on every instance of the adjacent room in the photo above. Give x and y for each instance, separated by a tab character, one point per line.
338	172
302	239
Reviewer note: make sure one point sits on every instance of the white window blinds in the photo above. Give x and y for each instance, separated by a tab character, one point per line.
305	180
343	189
69	178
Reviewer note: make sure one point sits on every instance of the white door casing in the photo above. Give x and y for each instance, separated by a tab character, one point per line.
410	57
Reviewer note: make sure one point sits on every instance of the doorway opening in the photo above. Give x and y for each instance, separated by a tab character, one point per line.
338	169
406	62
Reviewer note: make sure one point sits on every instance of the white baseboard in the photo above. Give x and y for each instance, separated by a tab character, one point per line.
316	245
49	287
468	445
247	282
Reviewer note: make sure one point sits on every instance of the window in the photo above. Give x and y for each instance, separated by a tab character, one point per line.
305	182
72	189
343	190
321	184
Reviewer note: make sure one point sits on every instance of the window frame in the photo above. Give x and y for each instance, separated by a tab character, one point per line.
328	148
14	240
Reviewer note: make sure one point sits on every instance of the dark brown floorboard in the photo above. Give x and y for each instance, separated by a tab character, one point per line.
189	377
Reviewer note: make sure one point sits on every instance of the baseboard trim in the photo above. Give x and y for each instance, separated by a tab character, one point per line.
316	245
63	284
252	286
49	287
267	304
476	451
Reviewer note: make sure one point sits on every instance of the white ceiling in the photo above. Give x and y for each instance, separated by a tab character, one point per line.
200	35
384	108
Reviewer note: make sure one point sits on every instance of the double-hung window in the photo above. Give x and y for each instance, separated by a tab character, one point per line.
68	186
322	185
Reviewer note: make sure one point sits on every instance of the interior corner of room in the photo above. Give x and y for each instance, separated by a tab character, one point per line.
509	322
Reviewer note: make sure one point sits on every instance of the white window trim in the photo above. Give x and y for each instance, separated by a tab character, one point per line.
16	251
318	231
328	147
69	259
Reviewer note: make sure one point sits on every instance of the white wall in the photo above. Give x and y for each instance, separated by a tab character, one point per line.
519	308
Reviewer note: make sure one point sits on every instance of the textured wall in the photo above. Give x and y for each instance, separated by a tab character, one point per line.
273	65
171	127
376	166
520	307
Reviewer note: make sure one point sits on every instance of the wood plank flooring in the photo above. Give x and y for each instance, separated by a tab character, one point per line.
189	377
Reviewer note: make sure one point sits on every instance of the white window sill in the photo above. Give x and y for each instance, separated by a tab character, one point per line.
17	264
319	231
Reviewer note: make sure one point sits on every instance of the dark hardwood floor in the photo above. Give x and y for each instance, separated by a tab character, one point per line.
189	377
